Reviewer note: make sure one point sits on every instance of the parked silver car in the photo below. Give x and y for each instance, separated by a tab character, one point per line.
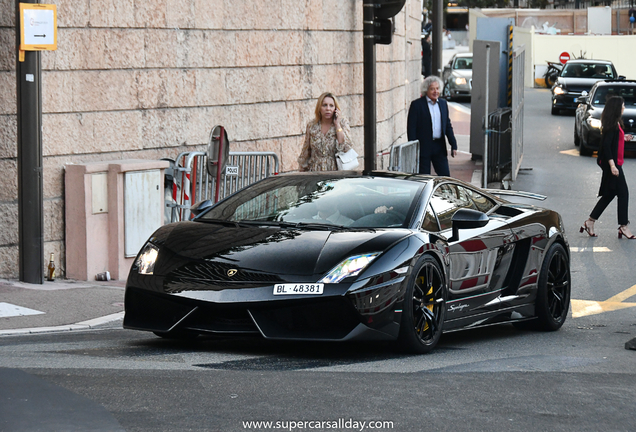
458	76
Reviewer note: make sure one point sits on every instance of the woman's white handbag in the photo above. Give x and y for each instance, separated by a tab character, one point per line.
347	161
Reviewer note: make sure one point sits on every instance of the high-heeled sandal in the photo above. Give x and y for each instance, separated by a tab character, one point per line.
587	229
621	234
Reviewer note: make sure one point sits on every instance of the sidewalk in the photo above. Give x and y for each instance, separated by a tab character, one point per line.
62	305
462	167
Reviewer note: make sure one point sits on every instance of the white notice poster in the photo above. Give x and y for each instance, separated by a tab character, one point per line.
39	27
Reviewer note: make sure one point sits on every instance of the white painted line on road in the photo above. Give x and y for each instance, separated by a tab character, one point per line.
590	249
10	310
83	325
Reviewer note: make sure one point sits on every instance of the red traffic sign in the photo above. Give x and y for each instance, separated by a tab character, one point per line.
564	57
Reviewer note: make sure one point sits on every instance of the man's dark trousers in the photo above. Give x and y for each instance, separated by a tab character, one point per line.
438	157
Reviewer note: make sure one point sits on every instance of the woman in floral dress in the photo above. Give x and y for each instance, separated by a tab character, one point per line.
326	135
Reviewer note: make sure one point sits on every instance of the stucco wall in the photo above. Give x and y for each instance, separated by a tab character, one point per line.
150	78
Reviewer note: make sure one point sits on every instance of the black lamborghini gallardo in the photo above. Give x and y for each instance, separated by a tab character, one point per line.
336	256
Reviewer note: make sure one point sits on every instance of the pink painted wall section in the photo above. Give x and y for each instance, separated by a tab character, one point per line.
95	242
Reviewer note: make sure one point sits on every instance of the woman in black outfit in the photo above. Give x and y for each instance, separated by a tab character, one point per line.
610	158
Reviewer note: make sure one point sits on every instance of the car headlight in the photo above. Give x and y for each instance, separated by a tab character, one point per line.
146	261
558	91
352	266
460	81
595	123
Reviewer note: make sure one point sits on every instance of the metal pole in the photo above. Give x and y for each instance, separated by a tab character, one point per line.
437	46
369	86
30	183
486	125
218	164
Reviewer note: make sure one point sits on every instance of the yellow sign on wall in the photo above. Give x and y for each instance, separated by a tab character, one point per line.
38	27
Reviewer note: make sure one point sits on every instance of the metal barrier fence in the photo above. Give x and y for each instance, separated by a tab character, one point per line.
499	144
193	183
518	104
403	157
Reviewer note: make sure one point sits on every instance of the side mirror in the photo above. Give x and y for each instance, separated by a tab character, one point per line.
581	99
622	77
201	207
467	219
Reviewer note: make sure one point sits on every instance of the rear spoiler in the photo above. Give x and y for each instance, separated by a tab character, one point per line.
521	194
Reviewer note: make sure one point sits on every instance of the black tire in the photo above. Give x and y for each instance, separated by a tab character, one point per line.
447	93
577	138
424	308
553	292
584	150
555	111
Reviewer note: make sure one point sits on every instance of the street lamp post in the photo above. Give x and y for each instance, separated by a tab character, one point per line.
30	180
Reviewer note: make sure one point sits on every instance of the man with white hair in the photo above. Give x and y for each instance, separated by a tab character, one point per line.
428	122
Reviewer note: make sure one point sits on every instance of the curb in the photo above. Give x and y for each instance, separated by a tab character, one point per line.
83	325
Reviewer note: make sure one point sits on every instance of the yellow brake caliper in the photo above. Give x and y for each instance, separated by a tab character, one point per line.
430	306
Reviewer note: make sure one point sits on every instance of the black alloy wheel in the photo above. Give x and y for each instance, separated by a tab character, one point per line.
424	308
553	292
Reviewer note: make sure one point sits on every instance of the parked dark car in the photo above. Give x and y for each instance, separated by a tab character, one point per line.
587	121
576	77
336	256
458	77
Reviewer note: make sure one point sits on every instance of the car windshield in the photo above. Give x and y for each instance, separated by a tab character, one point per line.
588	70
463	63
603	93
366	202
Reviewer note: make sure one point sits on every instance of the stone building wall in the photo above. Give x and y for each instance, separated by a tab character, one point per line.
149	79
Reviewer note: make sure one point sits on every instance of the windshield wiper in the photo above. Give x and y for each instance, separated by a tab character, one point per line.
220	221
281	224
286	225
329	227
299	225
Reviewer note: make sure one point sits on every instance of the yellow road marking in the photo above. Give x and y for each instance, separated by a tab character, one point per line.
582	308
572	152
629	292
